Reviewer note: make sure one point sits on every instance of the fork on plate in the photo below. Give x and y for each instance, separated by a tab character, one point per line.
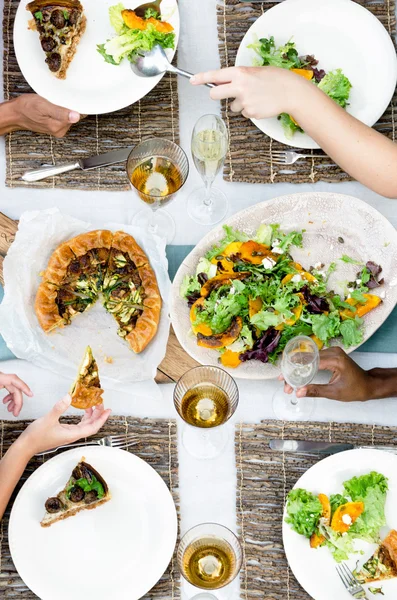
110	441
286	157
354	588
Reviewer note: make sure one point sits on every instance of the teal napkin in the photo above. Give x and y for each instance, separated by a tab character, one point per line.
384	340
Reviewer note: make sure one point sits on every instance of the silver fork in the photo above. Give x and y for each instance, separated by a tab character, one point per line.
286	157
354	588
110	441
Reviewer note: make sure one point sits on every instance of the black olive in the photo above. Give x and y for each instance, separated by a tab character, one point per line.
48	44
91	497
74	16
58	19
76	494
53	505
54	62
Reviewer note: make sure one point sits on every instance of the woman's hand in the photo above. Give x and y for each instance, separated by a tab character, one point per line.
348	383
33	113
15	388
258	92
47	432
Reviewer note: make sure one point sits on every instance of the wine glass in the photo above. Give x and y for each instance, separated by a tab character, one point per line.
157	169
210	143
209	556
299	366
205	398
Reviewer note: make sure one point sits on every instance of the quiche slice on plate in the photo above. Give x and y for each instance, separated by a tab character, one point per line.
383	563
86	489
60	25
86	391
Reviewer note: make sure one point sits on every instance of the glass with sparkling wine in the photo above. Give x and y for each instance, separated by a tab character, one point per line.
205	398
209	556
210	143
157	169
299	366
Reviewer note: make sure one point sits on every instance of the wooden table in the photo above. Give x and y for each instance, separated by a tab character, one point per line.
176	361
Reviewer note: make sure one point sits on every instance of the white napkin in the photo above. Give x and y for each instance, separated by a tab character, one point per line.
61	351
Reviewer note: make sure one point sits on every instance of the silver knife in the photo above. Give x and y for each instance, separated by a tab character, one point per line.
322	447
94	162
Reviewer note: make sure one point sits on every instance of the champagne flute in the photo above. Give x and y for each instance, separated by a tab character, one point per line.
157	169
299	366
210	141
209	556
205	398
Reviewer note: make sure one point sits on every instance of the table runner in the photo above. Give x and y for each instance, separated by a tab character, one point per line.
157	446
96	134
247	142
264	479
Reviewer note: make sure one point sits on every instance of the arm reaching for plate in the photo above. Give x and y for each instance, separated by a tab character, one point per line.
32	113
263	92
15	388
349	383
43	434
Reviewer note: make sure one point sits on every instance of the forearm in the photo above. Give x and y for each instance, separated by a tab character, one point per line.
8	118
382	383
368	156
12	466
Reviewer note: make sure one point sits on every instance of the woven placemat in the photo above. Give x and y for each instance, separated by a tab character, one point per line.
245	161
157	112
264	479
157	446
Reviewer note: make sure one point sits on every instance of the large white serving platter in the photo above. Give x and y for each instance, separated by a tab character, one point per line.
341	34
326	217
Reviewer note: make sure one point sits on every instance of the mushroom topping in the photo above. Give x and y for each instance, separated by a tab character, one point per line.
76	494
58	19
54	62
91	497
53	505
74	17
48	44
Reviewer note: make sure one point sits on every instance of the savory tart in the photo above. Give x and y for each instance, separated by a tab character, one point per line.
101	263
60	25
383	564
86	391
86	489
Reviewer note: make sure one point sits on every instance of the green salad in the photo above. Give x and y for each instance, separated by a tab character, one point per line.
135	34
248	297
334	83
336	521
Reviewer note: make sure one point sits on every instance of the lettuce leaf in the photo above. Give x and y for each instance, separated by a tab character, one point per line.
351	332
372	490
304	511
285	56
289	126
115	17
231	235
264	234
337	86
132	41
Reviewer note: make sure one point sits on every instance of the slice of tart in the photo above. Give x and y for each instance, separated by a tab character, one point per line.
85	490
86	391
383	564
60	25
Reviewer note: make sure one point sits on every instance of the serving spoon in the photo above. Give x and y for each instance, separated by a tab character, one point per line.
155	62
141	10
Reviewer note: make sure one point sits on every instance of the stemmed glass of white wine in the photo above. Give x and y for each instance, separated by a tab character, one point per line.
157	169
205	398
209	557
299	366
210	142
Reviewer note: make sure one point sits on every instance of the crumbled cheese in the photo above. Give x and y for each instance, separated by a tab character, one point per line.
276	242
318	265
232	291
296	278
277	250
358	282
322	273
331	247
268	263
382	294
350	289
347	519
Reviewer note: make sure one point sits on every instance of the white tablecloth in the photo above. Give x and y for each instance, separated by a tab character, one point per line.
208	491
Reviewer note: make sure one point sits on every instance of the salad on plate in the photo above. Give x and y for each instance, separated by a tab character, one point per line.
135	34
334	83
248	297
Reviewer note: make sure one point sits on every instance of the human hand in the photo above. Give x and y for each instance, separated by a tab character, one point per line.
15	388
348	383
258	92
33	113
47	432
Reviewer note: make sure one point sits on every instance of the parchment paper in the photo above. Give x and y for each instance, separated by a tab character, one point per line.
39	233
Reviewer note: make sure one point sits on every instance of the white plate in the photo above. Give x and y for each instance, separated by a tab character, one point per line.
118	550
367	234
92	86
341	34
315	569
